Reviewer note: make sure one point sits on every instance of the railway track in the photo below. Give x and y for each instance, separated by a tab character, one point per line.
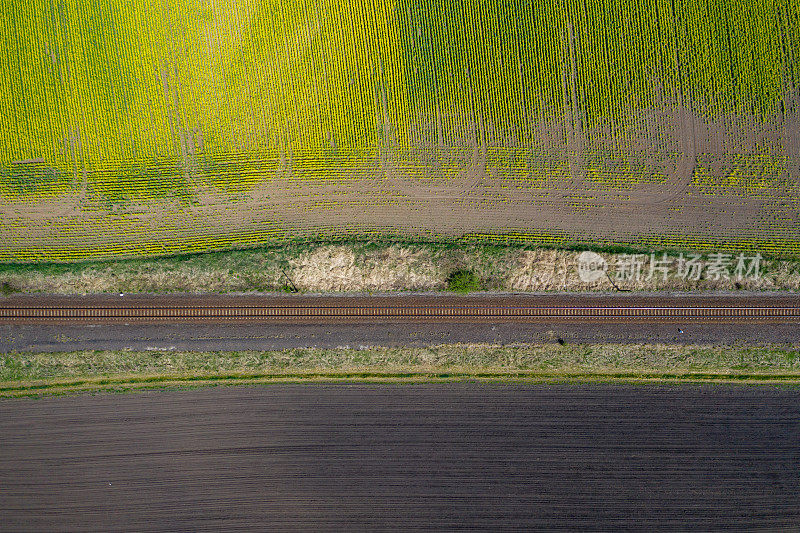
333	309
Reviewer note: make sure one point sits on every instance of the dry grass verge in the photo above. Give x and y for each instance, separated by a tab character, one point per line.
365	267
49	373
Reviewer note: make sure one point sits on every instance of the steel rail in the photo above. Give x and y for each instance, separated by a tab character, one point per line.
373	312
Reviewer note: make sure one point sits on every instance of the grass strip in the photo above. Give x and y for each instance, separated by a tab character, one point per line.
172	382
366	266
36	374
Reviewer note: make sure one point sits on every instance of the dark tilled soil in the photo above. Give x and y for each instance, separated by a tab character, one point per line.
404	457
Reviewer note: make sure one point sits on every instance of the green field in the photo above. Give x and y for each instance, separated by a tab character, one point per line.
138	128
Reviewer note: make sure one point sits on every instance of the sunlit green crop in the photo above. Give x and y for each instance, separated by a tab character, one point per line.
126	101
